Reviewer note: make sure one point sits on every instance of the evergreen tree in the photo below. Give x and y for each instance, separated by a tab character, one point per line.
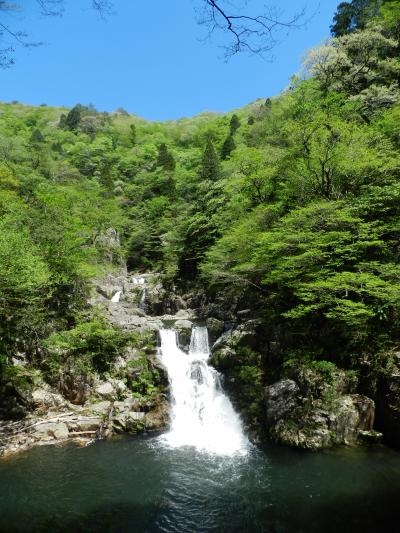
165	159
228	147
250	121
210	164
73	118
36	137
353	15
234	124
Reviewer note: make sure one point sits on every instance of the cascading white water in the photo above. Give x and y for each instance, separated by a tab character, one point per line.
116	297
142	303
202	415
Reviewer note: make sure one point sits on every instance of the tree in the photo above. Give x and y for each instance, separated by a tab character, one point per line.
390	12
228	147
36	137
356	62
234	124
73	118
210	164
253	33
165	159
353	15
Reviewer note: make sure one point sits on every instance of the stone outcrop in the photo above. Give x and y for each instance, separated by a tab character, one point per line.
55	420
309	411
226	347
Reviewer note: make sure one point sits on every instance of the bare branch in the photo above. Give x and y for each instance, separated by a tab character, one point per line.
257	34
53	8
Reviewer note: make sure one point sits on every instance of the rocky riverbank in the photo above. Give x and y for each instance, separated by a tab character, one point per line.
82	407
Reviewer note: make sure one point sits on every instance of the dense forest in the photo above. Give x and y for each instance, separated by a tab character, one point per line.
289	208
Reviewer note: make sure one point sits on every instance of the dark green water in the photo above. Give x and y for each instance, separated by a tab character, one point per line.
137	485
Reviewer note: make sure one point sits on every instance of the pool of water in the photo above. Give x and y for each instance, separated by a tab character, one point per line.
139	484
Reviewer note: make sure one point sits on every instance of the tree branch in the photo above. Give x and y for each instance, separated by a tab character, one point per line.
256	34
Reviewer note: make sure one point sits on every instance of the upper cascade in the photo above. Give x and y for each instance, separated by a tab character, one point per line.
202	415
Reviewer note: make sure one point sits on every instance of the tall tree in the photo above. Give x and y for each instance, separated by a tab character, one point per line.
165	159
210	164
73	118
353	15
228	147
234	124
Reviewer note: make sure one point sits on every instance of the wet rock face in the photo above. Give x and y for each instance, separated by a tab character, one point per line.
312	413
183	328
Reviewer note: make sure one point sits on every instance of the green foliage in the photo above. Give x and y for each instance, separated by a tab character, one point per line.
299	219
92	346
234	124
73	118
353	15
210	165
165	159
133	134
228	147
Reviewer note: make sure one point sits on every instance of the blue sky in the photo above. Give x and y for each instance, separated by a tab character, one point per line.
150	58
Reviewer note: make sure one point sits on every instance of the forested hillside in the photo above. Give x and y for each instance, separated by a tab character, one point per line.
288	208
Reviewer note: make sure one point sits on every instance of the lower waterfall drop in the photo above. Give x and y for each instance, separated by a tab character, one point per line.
202	415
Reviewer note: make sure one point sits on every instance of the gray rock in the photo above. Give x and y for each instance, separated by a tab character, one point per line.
52	430
280	398
100	408
106	390
184	331
315	414
89	424
120	364
120	386
215	328
44	399
183	313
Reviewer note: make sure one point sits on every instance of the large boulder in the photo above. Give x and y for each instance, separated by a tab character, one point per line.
183	328
281	398
215	328
225	349
314	412
52	430
106	390
44	398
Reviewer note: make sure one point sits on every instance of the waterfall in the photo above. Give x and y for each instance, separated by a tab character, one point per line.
202	415
116	297
142	303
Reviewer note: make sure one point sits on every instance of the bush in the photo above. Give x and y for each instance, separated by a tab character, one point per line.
92	345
